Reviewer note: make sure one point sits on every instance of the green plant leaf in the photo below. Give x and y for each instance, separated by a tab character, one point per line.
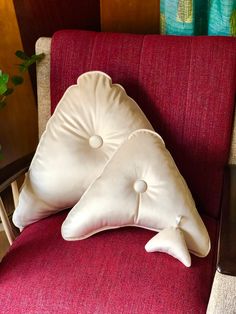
38	57
17	80
8	92
22	67
3	82
4	78
3	88
22	55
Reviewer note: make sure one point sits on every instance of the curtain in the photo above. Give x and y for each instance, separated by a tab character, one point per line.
198	17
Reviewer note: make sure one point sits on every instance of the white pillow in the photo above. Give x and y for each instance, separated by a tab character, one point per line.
140	186
171	241
90	122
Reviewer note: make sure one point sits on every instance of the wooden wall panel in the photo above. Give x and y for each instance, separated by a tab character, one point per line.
130	16
18	120
44	17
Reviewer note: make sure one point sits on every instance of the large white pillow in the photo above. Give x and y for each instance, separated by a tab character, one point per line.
141	186
90	122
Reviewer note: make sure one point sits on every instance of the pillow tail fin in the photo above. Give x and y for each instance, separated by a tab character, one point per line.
171	241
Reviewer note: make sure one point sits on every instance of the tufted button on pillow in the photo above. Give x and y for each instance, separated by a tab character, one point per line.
90	122
140	186
95	141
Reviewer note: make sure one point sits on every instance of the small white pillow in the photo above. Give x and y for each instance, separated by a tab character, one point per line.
140	186
171	241
90	122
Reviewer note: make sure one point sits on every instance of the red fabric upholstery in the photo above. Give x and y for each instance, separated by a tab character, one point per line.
169	78
186	87
107	273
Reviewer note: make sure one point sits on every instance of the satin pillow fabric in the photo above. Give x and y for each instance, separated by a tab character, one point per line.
141	186
90	122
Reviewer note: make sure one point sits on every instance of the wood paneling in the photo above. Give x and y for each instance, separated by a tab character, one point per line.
44	17
18	120
132	16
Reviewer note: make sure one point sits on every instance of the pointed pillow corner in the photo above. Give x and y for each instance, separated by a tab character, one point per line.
172	242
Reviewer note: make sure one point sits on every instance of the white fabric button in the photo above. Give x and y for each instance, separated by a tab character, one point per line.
95	141
140	186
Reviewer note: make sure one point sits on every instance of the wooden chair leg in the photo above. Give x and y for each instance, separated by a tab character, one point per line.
6	223
15	193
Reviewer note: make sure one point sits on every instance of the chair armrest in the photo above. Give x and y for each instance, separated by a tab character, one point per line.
11	172
226	261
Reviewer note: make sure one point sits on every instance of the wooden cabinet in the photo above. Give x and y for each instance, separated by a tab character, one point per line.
130	16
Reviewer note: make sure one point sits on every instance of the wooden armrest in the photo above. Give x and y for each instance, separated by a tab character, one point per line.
226	261
11	172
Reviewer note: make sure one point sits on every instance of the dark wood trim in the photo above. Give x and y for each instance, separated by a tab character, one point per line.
11	172
226	262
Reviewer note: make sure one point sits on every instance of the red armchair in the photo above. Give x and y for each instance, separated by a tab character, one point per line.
186	87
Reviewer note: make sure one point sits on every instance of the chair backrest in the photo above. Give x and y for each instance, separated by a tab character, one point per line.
185	86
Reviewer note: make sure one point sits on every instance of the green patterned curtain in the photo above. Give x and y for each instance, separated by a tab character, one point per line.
198	17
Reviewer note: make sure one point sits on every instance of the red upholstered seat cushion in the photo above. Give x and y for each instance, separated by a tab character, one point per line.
107	273
185	86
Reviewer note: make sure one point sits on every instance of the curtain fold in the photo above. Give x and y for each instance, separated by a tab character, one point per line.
198	17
